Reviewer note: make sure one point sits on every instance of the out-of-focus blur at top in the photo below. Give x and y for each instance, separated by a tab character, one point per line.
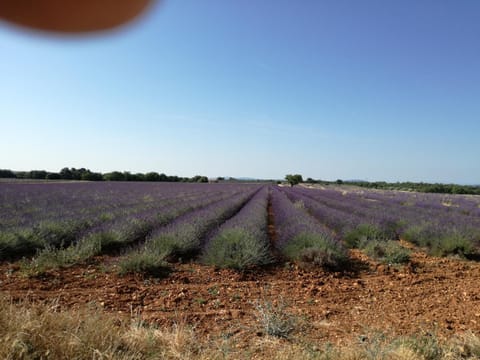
72	16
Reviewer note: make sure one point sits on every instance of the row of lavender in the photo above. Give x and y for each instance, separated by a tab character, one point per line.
188	235
427	221
242	240
225	225
112	214
300	236
222	224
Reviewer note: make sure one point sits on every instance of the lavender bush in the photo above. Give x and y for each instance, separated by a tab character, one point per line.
301	237
242	241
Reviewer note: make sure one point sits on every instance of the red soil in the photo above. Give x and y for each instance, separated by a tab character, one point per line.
431	294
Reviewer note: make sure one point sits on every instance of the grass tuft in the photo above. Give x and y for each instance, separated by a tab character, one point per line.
274	319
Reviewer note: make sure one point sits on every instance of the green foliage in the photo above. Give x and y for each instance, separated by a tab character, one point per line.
152	176
199	179
420	235
50	258
91	176
19	243
5	173
165	244
236	249
294	179
114	176
362	233
104	240
38	174
56	233
87	175
387	252
366	232
144	263
318	250
420	187
182	243
454	243
53	176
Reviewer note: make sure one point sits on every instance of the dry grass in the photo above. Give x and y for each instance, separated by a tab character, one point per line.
45	331
40	331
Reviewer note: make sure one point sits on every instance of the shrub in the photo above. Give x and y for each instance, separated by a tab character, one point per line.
51	258
388	252
275	321
316	249
104	240
387	230
25	242
421	235
454	243
427	347
181	243
362	233
236	249
144	263
17	244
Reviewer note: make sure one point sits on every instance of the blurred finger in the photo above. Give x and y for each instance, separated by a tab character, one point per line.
71	16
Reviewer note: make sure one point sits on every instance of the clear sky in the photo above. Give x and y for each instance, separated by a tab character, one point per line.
372	89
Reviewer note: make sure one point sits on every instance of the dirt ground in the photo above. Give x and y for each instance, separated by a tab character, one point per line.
429	295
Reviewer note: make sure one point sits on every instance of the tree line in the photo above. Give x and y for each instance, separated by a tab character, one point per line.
406	186
87	175
421	187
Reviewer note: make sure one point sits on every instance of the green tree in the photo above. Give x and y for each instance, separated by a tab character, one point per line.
152	176
294	179
5	173
114	176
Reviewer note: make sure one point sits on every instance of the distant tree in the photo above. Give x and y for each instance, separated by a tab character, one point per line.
294	179
81	173
22	174
199	179
152	176
92	176
76	174
139	177
339	182
37	174
53	176
114	176
4	173
66	174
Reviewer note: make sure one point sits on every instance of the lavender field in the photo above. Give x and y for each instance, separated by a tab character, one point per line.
148	225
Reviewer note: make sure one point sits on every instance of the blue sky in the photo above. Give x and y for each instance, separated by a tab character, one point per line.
372	89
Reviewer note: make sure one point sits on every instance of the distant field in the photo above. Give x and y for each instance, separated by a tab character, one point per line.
238	262
79	220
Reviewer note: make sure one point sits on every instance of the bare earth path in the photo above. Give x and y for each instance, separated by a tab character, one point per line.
431	295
